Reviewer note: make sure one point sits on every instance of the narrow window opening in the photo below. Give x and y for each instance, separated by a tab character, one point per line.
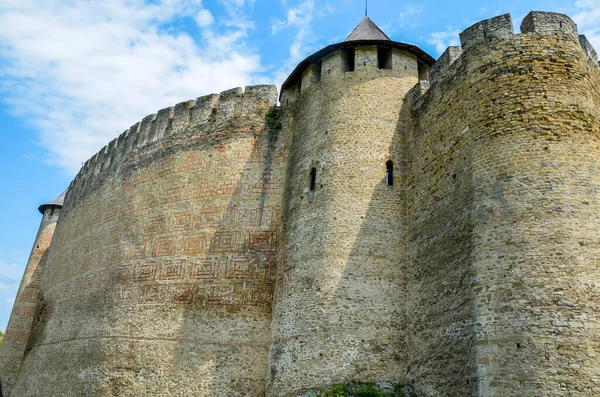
389	173
384	58
348	57
423	70
319	70
313	179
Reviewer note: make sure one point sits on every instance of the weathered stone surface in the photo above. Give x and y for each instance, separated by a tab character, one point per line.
22	316
161	275
337	314
503	166
192	256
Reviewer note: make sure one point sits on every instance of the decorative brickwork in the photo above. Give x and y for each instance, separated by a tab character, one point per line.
225	247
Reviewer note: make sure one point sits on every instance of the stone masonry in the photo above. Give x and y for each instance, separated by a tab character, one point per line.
396	220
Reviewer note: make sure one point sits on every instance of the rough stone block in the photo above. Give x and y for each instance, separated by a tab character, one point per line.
499	27
548	23
440	69
366	57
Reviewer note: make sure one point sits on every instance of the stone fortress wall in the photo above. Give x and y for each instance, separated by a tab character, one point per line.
503	175
160	279
342	318
192	257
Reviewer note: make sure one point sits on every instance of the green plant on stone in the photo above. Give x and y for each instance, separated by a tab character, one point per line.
336	391
272	119
366	389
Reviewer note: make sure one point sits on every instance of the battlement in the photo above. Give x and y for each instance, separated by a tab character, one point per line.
499	27
548	23
404	222
443	64
227	112
361	59
491	31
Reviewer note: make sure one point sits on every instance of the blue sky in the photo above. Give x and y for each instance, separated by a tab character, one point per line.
75	74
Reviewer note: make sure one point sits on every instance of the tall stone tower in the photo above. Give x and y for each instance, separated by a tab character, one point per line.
395	221
337	314
21	321
503	214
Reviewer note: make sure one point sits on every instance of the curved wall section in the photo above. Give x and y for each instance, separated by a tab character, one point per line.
161	274
337	314
18	331
504	174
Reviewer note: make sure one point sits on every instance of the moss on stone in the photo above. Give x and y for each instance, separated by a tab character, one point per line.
366	389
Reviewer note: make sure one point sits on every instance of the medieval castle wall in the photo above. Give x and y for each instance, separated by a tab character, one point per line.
224	247
503	215
338	315
162	276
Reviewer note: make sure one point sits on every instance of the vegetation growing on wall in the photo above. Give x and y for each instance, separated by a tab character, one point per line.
1	337
272	119
366	389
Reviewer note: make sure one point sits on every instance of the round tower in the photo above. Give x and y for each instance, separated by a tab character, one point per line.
21	319
337	310
504	215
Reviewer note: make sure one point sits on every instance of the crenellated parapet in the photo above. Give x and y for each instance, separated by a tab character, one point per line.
443	65
488	33
397	221
499	27
548	23
211	115
376	58
502	153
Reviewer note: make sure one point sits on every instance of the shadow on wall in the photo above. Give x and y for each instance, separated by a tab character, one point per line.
171	281
234	350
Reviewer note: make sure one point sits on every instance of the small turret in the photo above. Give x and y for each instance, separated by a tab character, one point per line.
23	313
53	206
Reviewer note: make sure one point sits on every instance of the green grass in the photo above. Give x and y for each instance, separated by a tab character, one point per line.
364	389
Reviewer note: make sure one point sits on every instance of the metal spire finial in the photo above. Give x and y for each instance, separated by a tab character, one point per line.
366	7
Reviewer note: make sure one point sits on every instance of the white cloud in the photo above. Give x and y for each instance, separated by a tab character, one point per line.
10	271
410	16
82	72
587	20
204	18
443	39
299	17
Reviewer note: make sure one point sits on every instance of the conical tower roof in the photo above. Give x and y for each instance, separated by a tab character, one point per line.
365	34
58	202
367	30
